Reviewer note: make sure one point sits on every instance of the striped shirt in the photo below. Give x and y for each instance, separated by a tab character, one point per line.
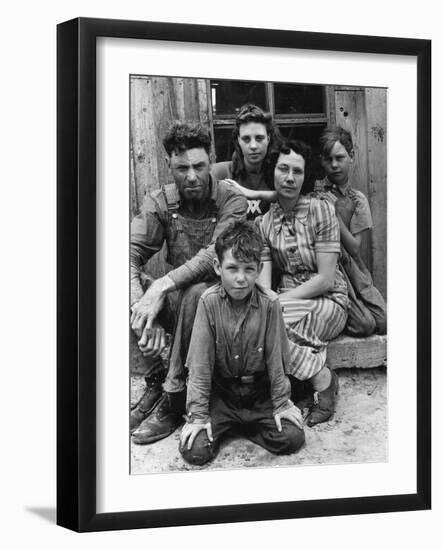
293	241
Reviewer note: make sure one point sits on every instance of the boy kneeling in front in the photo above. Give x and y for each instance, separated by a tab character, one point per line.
237	358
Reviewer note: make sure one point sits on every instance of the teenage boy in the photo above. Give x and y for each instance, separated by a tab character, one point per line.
368	311
237	358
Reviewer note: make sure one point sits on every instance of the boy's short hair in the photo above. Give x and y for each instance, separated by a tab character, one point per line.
331	135
182	136
244	241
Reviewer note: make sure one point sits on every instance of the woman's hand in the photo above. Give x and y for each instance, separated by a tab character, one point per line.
319	284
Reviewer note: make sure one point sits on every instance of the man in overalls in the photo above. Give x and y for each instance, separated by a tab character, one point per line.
188	216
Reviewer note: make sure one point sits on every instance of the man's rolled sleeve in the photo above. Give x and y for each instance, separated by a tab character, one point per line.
233	208
277	358
200	362
147	238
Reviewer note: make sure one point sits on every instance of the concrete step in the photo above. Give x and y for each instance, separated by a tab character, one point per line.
343	352
362	353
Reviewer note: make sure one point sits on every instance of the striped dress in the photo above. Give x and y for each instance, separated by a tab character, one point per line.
292	242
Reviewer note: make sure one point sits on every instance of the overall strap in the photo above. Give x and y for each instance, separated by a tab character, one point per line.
172	197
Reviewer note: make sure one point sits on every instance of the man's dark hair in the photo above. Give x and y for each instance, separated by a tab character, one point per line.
302	149
244	241
182	136
330	136
252	113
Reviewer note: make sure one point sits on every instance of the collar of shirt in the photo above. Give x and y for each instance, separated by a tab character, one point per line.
300	212
253	298
329	186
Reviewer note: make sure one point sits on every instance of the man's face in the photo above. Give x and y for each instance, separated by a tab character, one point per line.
337	164
238	278
191	171
254	141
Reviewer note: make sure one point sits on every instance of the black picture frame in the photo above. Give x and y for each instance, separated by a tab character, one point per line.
76	274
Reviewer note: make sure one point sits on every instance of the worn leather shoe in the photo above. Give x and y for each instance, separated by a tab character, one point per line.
302	394
324	402
164	420
148	401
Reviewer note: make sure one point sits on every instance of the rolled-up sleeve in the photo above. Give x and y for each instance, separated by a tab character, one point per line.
327	234
147	238
232	208
361	219
201	363
277	358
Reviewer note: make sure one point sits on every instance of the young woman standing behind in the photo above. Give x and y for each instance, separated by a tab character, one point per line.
255	136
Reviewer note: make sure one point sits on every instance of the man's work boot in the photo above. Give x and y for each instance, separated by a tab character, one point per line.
148	401
324	402
164	420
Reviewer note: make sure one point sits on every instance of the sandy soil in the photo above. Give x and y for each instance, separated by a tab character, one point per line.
357	433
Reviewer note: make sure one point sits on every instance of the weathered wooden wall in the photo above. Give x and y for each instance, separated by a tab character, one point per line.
157	101
363	112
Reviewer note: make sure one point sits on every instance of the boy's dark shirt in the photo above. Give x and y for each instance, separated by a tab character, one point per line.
224	348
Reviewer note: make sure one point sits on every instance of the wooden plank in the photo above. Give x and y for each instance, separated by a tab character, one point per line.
165	111
191	102
361	353
205	110
376	101
351	115
134	205
330	104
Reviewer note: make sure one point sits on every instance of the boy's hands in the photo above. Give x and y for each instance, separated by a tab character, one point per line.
292	414
191	430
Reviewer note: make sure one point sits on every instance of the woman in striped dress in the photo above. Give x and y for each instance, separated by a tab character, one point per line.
301	236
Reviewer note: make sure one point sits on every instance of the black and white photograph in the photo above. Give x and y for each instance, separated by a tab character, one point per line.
258	274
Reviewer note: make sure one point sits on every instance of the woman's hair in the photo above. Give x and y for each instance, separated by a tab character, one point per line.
330	136
243	239
300	148
251	113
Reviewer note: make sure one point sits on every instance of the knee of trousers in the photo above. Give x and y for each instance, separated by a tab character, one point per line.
291	438
363	325
202	450
381	324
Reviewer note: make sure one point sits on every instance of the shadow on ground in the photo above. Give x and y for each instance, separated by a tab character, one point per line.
49	514
356	434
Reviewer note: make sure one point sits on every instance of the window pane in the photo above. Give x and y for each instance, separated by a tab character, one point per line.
223	144
294	99
229	95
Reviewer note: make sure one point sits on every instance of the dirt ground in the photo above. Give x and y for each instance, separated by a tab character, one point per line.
357	433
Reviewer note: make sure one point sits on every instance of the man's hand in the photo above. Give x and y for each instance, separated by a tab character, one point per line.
146	310
191	430
153	340
292	414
